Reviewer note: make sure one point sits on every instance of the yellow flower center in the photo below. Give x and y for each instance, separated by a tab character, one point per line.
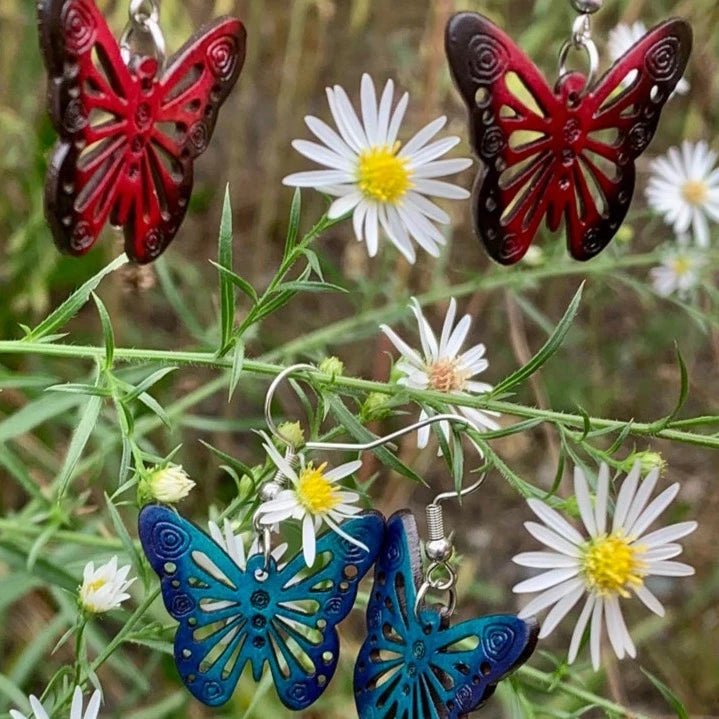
682	266
382	175
315	492
610	564
695	192
445	377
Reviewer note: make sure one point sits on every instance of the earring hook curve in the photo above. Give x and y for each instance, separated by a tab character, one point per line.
372	444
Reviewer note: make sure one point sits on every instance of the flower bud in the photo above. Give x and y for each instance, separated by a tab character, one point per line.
332	366
292	433
168	484
376	406
648	461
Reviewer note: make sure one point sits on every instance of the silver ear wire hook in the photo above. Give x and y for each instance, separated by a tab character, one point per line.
439	576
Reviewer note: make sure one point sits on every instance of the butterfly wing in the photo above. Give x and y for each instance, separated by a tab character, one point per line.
410	667
511	110
619	117
210	597
189	95
88	92
309	605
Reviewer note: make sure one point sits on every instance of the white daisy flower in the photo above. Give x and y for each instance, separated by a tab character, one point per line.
104	588
623	38
443	367
679	273
607	565
684	187
376	179
314	498
38	711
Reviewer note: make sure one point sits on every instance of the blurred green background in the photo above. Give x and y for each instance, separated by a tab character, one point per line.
618	362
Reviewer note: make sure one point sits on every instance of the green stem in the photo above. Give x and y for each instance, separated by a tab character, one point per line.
14	529
426	397
548	681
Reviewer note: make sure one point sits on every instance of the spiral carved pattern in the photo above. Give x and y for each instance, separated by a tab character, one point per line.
662	61
80	29
82	237
497	642
489	59
170	541
222	57
493	143
182	604
154	243
199	136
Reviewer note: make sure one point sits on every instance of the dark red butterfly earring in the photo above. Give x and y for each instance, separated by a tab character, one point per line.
130	124
567	152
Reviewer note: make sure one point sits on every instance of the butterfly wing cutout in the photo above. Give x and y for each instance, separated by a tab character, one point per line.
563	153
128	134
410	667
229	617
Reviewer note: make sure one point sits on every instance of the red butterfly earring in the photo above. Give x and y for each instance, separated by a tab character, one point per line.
564	152
130	124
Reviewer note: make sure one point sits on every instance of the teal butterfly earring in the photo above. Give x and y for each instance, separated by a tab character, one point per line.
234	613
414	663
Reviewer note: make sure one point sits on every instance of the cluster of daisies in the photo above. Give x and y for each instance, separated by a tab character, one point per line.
683	188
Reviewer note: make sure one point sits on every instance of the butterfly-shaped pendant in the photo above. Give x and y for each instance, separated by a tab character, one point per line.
285	617
129	133
567	152
416	665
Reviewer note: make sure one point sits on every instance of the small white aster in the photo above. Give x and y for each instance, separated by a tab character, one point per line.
684	187
624	37
314	498
104	588
608	565
443	367
93	707
383	184
679	273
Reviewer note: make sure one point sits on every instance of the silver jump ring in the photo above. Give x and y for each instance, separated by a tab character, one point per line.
450	608
143	12
158	40
588	45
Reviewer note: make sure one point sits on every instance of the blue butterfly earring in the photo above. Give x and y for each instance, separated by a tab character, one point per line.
236	614
413	662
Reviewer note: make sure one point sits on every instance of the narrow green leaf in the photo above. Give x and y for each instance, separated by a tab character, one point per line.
227	290
88	421
668	695
547	351
178	304
362	434
107	333
17	469
684	386
34	414
293	229
587	422
238	362
82	389
240	282
123	534
148	382
314	262
310	286
73	304
39	544
240	467
153	405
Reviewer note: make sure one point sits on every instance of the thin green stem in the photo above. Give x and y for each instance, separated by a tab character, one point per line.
352	384
548	681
